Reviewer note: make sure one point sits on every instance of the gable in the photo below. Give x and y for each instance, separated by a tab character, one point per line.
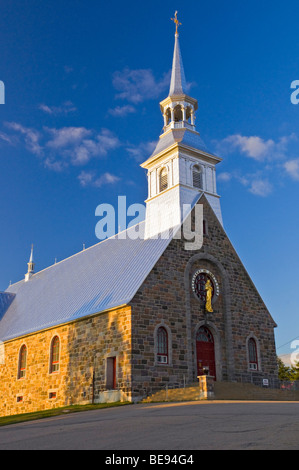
219	245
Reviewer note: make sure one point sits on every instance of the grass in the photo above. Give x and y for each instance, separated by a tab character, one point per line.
21	418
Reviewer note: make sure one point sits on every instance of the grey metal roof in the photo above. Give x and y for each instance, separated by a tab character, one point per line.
103	276
183	136
5	301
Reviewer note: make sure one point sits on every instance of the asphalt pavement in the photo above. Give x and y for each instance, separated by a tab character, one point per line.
173	426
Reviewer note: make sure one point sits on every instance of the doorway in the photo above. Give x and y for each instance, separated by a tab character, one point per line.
111	373
205	351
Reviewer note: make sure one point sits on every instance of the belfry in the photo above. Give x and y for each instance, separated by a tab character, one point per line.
181	167
129	317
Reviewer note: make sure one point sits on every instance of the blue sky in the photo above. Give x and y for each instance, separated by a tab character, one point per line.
83	81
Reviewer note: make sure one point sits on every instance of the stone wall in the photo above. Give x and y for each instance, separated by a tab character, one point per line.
166	298
84	348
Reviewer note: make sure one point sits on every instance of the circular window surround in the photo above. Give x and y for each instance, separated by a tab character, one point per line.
213	278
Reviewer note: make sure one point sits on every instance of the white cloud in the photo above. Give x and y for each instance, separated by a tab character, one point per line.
89	178
31	137
121	111
253	147
224	176
292	168
261	187
256	147
55	165
256	183
107	140
78	145
86	178
271	156
141	151
5	138
60	148
139	85
66	136
65	108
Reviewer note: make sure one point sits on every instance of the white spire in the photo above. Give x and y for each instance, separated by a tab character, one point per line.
178	85
178	108
31	266
31	261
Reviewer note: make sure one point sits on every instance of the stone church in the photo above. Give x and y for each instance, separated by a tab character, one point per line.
134	314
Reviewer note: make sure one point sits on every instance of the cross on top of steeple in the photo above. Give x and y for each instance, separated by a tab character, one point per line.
177	23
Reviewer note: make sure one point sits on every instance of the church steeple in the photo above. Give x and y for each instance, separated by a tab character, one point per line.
31	266
178	85
178	108
181	167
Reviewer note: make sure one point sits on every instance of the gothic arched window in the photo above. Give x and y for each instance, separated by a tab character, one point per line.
22	362
204	335
54	355
162	345
252	354
163	179
197	177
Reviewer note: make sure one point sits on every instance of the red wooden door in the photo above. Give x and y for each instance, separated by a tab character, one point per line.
111	373
205	352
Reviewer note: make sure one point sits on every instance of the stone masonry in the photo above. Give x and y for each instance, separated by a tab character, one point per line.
85	346
166	298
129	334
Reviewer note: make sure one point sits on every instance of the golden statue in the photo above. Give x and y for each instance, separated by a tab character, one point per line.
209	289
176	21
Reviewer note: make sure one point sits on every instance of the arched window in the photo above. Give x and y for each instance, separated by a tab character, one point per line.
54	355
178	113
22	362
252	354
168	116
197	177
204	335
162	345
188	114
163	179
